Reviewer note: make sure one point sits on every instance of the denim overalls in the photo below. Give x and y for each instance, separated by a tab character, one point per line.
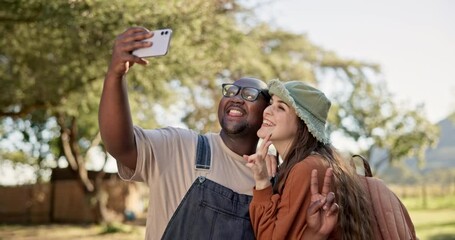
210	210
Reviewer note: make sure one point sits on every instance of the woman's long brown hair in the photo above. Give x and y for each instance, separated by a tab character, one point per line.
350	194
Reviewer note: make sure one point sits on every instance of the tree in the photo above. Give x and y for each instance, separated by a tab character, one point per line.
54	54
365	112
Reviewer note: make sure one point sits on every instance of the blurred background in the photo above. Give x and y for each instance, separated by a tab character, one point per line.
387	67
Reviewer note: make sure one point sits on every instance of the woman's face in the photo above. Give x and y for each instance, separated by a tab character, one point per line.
280	120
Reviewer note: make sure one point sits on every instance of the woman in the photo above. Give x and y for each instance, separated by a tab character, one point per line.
295	124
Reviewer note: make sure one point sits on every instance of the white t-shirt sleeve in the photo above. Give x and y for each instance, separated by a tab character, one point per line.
126	173
156	151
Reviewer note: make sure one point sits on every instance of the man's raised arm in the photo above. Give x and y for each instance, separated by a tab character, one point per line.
114	117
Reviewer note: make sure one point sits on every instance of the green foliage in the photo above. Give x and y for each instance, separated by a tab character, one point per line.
366	113
54	54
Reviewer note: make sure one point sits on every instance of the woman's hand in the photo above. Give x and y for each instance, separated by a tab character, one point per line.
322	214
262	164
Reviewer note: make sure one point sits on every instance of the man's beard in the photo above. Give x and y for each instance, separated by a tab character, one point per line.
237	129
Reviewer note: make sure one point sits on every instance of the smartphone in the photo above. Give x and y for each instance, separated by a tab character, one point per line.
161	40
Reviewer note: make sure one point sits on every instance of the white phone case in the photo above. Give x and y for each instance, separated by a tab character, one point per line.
161	41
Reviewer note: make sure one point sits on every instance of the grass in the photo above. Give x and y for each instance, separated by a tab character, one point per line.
434	219
434	222
72	232
431	224
432	203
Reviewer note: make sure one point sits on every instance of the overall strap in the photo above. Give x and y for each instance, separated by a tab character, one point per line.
203	153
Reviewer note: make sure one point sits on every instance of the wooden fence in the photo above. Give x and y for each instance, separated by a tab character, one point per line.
64	201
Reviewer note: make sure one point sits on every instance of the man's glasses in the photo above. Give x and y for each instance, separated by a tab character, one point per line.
248	93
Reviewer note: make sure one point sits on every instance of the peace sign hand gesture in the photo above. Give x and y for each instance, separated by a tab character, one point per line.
322	214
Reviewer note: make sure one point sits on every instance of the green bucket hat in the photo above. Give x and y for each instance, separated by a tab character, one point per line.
310	104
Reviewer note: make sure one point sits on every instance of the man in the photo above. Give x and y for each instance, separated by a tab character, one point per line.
200	186
216	206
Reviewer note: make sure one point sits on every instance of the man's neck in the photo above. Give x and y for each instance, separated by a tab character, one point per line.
242	145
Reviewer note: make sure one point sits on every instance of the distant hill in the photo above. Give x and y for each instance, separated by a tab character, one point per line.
447	138
443	156
438	158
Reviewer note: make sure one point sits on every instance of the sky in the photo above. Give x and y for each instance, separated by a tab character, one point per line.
412	41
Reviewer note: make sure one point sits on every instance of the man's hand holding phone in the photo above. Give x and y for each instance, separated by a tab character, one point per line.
161	39
133	45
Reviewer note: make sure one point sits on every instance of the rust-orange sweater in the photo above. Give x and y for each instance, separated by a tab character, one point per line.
276	216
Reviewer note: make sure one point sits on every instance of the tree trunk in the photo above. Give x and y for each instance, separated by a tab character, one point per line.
424	195
72	153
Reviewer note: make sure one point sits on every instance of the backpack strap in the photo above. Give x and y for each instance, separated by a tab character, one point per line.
366	165
203	153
